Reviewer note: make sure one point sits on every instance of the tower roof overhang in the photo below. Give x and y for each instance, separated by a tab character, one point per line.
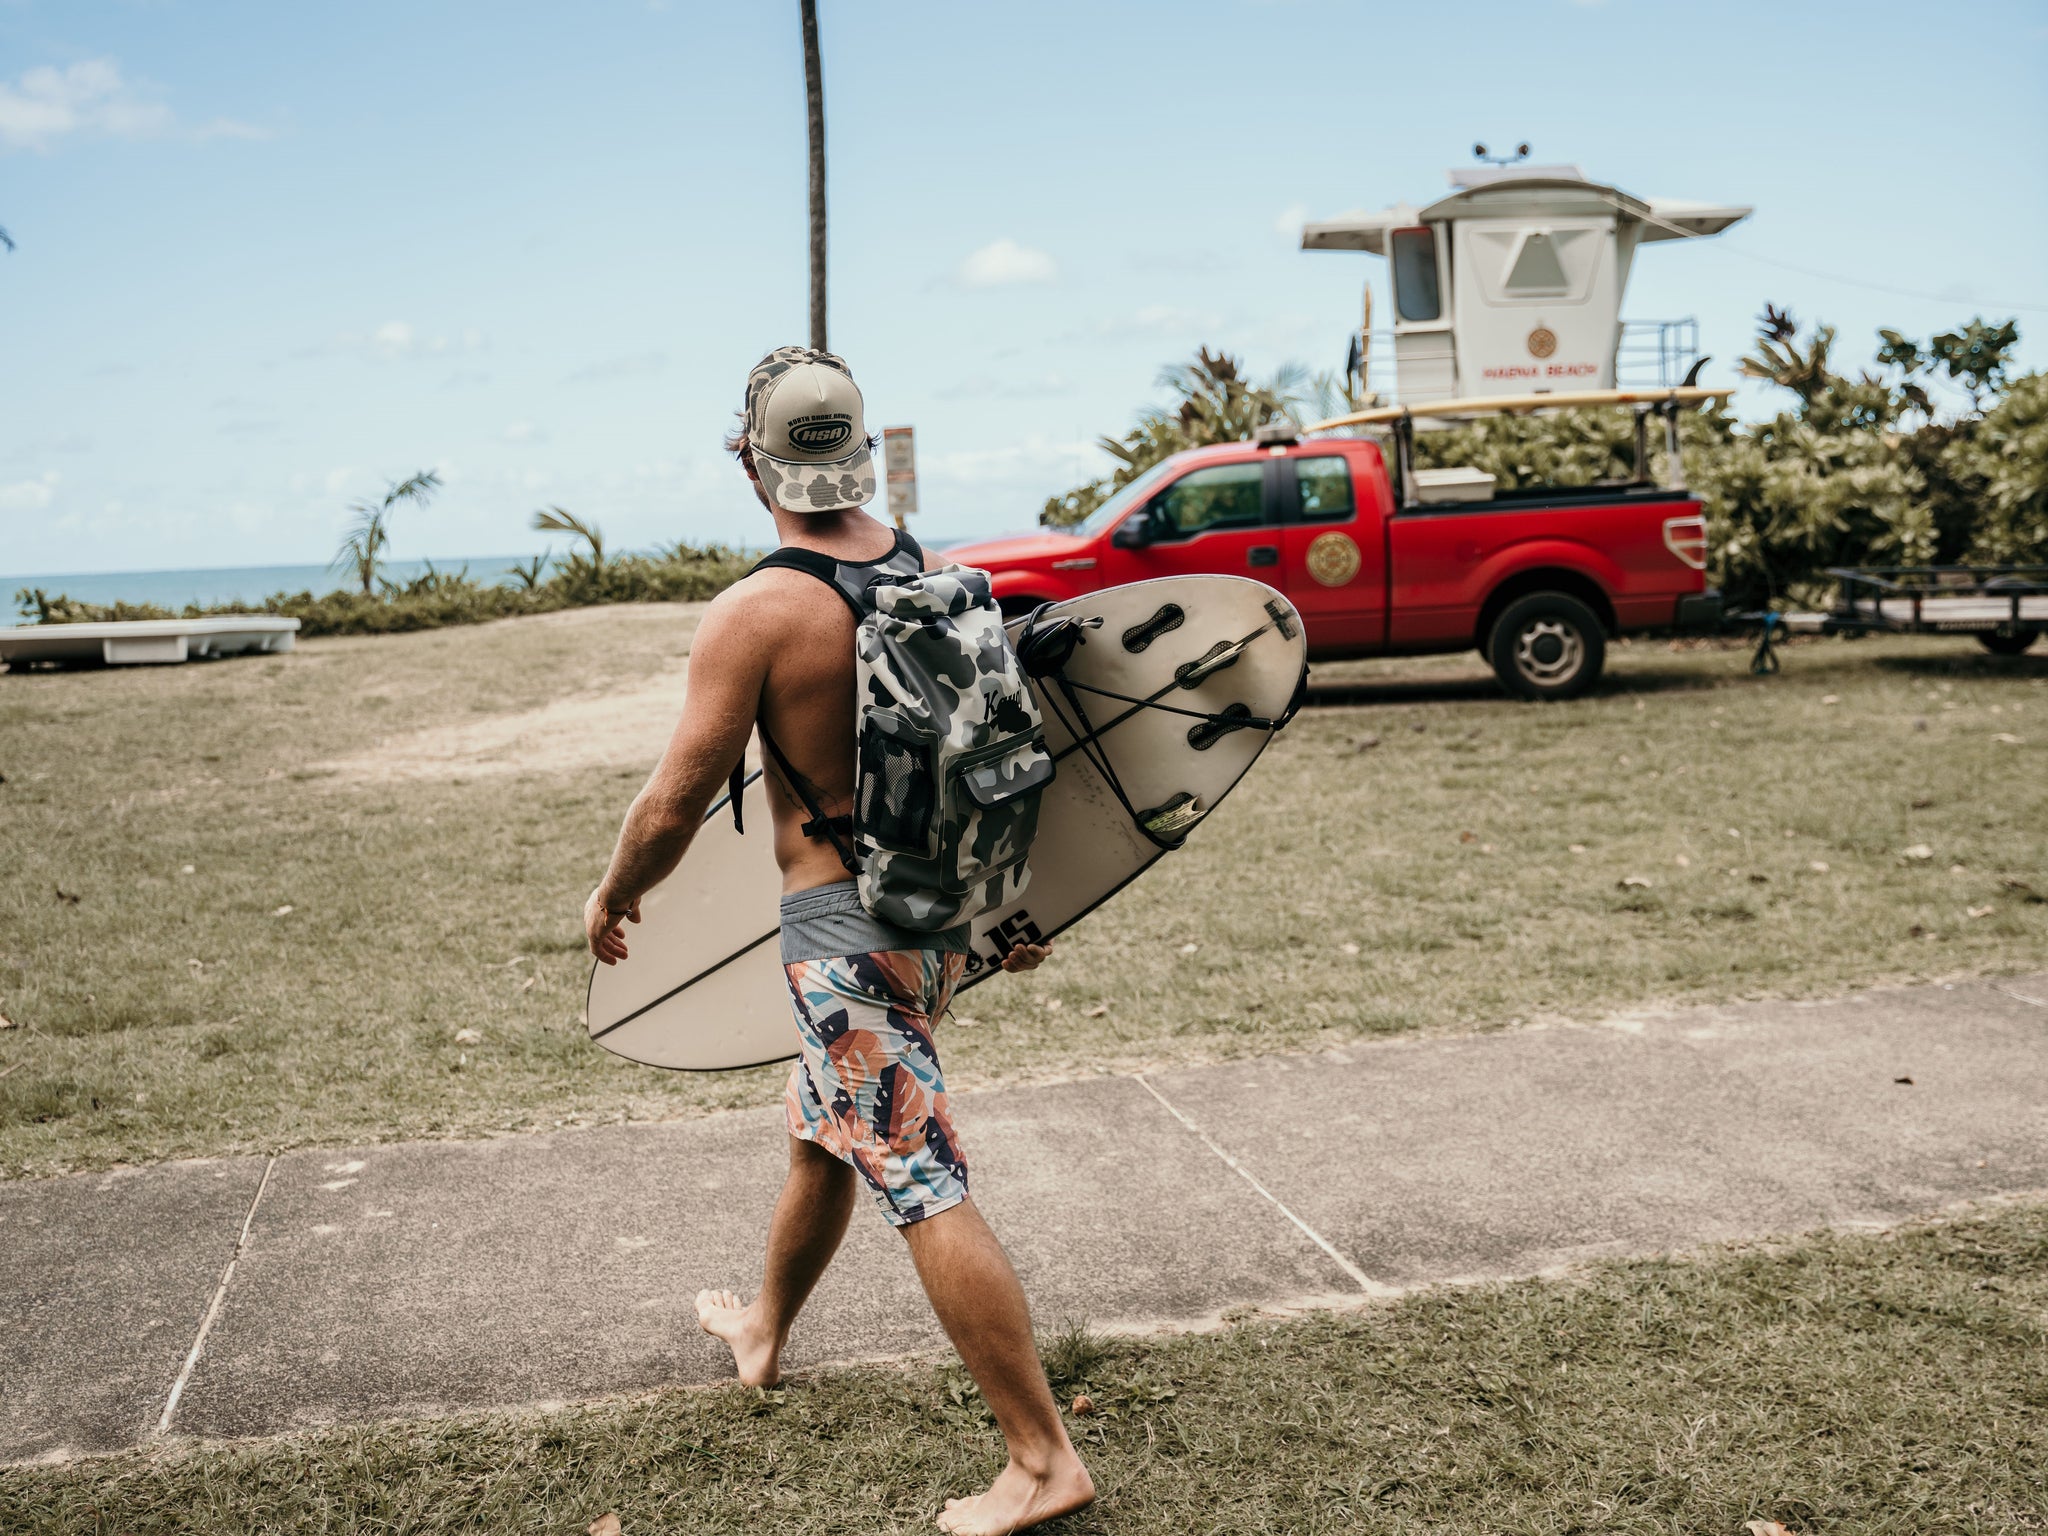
1525	197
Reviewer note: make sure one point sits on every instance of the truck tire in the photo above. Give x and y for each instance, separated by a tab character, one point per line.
1999	643
1547	646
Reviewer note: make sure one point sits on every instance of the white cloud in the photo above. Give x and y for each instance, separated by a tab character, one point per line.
523	432
1160	320
1004	262
398	340
1009	386
91	99
1035	461
1292	217
335	481
392	339
29	495
230	128
639	365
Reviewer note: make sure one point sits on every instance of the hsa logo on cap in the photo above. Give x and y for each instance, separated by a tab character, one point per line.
820	434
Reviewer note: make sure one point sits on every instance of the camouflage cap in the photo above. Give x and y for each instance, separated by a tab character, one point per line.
807	431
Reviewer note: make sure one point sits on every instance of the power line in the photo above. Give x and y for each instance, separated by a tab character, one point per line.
1831	277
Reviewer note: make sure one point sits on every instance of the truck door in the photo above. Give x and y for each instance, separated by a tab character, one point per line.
1211	521
1332	555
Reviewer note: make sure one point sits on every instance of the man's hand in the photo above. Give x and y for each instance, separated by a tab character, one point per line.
601	927
1026	957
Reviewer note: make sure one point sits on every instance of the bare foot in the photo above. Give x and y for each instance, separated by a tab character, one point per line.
755	1351
1016	1501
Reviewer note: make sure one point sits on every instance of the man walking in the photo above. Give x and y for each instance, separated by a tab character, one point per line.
866	1100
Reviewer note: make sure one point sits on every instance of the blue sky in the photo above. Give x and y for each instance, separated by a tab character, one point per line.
272	255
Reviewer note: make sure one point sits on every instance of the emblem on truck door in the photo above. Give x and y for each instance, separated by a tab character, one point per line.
1333	559
1542	341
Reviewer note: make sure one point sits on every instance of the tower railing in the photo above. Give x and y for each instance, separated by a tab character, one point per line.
1650	354
1655	353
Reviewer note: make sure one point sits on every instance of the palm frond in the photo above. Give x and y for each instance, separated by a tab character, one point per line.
417	487
560	520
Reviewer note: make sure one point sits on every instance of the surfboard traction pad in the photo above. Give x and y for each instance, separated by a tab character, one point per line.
1170	821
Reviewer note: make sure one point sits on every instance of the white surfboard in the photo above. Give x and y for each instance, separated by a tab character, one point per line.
703	989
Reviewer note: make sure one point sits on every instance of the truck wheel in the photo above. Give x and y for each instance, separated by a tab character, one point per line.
2001	644
1547	646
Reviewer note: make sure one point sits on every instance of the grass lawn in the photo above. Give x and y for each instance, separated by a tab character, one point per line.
1427	855
1838	1384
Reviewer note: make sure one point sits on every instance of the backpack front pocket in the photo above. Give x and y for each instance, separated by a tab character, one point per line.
993	811
896	799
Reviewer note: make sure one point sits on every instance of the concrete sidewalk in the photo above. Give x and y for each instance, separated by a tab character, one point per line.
331	1286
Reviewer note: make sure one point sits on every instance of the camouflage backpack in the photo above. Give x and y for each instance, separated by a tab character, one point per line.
951	757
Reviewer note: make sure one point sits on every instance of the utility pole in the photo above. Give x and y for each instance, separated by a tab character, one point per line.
814	99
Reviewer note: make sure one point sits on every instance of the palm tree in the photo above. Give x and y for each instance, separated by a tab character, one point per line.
1218	403
6	239
371	531
814	101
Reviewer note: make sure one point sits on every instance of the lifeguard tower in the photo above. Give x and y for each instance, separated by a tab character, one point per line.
1513	285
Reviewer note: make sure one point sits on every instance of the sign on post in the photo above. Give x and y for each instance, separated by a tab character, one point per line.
899	463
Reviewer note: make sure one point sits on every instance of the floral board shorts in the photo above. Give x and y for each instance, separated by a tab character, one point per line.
866	1085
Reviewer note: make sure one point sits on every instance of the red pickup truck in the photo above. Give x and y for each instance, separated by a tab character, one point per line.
1537	580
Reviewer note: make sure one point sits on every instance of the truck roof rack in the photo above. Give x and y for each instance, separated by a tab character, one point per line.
1400	421
1511	405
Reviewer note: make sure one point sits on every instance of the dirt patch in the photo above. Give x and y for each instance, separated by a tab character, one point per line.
622	728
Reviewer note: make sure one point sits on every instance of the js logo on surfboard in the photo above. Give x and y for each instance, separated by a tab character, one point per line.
1013	930
820	434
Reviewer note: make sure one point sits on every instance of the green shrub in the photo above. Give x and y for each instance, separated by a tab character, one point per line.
2003	466
434	599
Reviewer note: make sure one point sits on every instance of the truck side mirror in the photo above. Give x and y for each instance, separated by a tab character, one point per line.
1133	532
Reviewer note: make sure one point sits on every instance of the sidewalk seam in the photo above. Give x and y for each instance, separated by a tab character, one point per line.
220	1294
1365	1282
2008	991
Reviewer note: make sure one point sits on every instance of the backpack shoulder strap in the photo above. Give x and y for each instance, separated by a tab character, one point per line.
836	830
811	563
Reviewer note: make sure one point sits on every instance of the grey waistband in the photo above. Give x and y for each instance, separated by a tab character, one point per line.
828	921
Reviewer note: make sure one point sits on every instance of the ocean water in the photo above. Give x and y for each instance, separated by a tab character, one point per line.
232	584
252	583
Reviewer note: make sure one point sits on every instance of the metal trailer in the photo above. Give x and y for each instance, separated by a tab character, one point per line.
2005	607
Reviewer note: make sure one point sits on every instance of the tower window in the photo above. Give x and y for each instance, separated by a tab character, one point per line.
1415	286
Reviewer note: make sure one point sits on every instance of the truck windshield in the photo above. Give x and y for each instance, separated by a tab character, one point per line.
1111	512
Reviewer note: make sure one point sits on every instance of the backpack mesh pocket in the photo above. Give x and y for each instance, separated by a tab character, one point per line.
896	801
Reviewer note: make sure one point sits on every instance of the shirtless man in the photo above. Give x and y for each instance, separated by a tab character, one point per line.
866	1102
